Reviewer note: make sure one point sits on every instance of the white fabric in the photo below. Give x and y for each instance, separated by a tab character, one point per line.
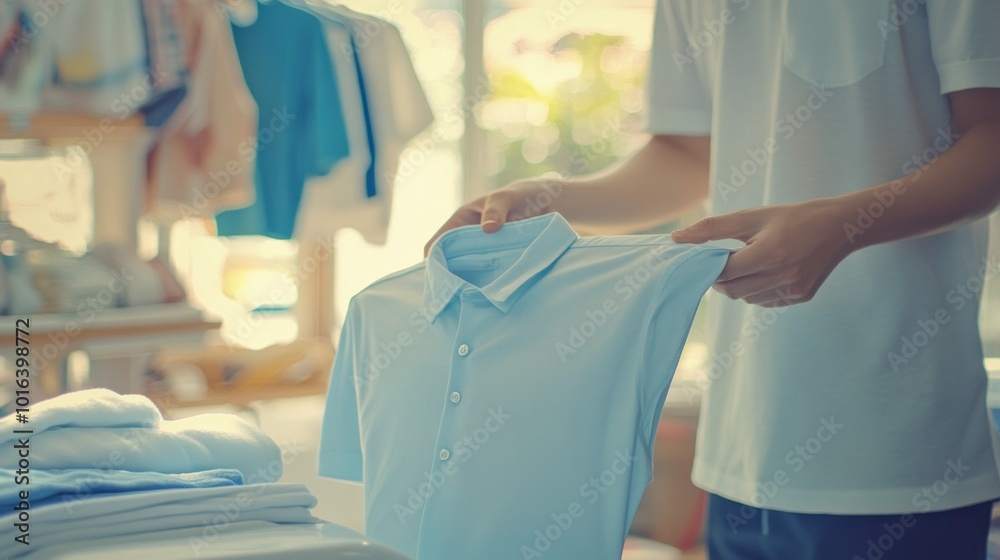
338	199
240	540
196	443
100	56
399	110
91	522
871	397
204	157
92	408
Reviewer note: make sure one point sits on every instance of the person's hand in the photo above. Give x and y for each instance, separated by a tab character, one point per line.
517	201
790	250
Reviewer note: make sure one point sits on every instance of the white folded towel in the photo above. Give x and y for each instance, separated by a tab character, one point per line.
88	522
92	408
196	443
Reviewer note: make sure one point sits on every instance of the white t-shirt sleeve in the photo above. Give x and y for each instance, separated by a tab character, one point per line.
965	42
340	442
677	99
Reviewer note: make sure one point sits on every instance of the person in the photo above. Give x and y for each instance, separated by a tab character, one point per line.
853	147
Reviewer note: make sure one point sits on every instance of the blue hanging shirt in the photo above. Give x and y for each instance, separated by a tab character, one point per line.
330	15
301	132
500	399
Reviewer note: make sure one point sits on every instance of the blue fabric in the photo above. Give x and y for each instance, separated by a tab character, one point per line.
75	484
301	131
164	101
371	190
330	15
741	532
499	400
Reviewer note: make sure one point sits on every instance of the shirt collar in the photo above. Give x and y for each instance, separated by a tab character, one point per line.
544	239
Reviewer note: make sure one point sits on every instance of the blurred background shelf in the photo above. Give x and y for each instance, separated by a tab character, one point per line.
115	345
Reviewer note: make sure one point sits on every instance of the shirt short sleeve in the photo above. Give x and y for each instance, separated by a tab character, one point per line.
340	442
965	43
677	100
671	313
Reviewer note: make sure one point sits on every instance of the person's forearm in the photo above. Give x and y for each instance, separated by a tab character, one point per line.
657	183
961	186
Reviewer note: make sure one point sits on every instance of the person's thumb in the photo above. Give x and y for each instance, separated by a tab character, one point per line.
738	225
495	211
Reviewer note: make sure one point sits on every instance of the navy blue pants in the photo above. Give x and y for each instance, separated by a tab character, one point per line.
740	532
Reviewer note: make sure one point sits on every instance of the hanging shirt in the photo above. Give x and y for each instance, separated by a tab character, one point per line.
204	157
499	400
164	61
301	130
397	110
869	399
341	198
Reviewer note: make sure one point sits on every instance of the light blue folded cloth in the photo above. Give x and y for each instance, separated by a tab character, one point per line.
195	443
48	486
88	523
91	408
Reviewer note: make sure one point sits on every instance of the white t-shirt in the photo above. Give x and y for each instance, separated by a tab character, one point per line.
870	398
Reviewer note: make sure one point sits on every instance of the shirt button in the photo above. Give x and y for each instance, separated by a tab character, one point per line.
456	396
463	350
444	454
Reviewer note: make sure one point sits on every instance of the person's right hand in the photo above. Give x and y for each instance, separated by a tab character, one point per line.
517	201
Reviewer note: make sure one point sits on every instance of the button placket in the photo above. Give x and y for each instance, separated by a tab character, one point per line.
456	380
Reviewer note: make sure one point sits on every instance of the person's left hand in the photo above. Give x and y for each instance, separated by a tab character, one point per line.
790	250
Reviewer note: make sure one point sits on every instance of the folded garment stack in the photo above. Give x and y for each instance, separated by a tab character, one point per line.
104	466
91	522
66	486
101	429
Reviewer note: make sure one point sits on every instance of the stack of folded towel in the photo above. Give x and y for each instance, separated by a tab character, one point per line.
104	465
101	429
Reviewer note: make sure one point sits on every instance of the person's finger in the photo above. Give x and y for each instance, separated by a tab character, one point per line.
751	259
467	215
737	225
495	210
747	286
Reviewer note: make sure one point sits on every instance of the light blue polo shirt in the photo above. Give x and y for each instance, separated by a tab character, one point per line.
499	400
